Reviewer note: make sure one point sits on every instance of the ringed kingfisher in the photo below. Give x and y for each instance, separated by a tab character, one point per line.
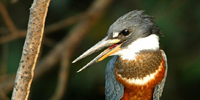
138	69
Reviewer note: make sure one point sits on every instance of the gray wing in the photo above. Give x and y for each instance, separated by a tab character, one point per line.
113	89
159	88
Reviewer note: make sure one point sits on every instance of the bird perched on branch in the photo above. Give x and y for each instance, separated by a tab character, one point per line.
139	67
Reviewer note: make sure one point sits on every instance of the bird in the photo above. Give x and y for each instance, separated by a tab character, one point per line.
138	69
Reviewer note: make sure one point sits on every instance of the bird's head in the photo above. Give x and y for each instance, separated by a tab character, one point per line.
126	37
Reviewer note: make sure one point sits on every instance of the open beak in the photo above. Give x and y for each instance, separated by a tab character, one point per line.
112	44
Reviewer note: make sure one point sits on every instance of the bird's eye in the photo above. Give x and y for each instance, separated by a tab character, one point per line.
125	32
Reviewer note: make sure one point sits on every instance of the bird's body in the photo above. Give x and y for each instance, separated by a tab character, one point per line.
139	67
139	77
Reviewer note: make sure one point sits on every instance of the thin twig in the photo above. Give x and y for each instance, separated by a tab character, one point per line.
49	29
25	73
49	42
16	35
63	23
63	77
7	18
70	43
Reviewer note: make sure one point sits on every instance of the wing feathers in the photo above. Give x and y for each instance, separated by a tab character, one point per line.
159	88
113	89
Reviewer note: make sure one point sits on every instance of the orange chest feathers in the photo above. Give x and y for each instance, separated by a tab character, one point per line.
139	79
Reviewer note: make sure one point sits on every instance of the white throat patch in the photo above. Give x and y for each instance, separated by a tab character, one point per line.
147	43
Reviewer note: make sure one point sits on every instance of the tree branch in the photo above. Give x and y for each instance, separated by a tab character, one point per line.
7	18
75	36
63	77
13	36
25	73
64	23
49	29
69	43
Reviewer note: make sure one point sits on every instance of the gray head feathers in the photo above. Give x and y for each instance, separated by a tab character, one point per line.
141	25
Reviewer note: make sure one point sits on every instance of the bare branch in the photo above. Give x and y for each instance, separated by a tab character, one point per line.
69	43
25	73
49	29
75	36
13	36
49	42
7	18
64	23
63	77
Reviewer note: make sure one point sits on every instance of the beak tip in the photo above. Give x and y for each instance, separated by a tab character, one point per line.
78	71
74	61
81	69
85	66
77	59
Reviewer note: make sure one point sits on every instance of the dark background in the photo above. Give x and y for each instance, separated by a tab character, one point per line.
178	19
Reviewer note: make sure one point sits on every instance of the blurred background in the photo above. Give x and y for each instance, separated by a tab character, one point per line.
178	19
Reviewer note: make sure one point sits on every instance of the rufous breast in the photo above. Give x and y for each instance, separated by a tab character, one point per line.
141	75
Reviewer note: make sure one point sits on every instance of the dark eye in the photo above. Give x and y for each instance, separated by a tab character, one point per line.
125	32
